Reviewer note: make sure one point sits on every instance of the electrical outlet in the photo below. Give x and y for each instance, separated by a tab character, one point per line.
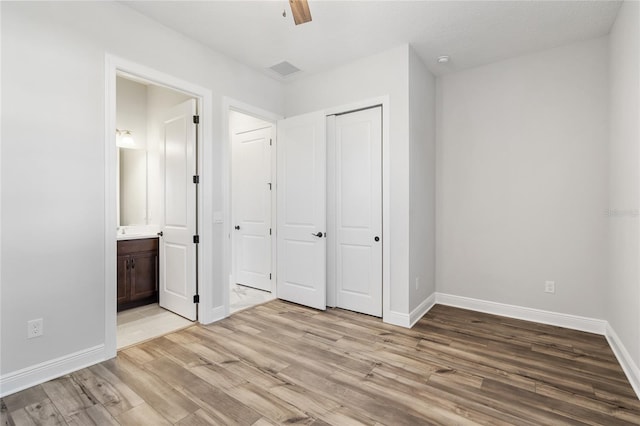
417	282
35	328
550	287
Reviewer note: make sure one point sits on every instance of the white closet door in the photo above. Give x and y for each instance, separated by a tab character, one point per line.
357	199
252	207
177	249
301	207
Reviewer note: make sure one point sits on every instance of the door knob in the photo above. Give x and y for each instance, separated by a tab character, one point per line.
319	234
377	238
160	234
237	227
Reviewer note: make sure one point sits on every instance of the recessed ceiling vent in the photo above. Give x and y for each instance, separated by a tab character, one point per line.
285	69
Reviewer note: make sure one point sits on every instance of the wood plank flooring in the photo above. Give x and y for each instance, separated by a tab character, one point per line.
280	363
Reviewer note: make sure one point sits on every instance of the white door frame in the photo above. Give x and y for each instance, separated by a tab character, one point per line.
118	66
382	101
229	104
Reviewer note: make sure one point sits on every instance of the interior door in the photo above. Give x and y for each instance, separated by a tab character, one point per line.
177	249
357	219
301	206
251	192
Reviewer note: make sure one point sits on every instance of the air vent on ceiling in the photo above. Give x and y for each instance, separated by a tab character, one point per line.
285	69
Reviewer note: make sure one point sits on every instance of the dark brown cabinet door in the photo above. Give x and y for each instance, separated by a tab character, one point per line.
123	279
144	275
137	272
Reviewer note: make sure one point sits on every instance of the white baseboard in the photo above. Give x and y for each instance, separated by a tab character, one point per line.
624	358
215	314
396	318
574	322
18	380
409	320
421	309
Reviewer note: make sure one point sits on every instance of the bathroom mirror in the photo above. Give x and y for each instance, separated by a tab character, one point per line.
133	199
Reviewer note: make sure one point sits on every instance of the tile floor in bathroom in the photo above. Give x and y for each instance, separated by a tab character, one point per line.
146	322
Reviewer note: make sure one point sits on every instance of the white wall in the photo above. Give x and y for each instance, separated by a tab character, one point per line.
623	285
422	144
522	180
383	74
53	166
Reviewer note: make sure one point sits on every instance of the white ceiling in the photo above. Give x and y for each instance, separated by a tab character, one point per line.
472	33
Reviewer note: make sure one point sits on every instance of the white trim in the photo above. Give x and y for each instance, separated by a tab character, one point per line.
624	358
235	105
217	314
409	320
422	309
40	373
118	66
397	318
574	322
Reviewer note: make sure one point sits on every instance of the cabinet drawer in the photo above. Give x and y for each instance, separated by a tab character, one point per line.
133	246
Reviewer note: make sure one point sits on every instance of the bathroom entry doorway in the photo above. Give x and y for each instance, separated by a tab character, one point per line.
157	139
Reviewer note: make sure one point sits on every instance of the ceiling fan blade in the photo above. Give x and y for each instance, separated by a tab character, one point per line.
300	10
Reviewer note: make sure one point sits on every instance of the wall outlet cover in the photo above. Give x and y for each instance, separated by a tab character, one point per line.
35	328
550	287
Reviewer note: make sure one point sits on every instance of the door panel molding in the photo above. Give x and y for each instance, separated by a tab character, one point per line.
178	253
355	214
251	207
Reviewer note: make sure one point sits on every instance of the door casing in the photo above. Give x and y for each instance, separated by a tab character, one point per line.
229	104
115	66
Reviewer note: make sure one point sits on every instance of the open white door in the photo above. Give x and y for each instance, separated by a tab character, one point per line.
251	165
301	206
177	248
356	222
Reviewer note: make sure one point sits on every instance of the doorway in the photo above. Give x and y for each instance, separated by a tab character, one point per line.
156	137
252	188
200	216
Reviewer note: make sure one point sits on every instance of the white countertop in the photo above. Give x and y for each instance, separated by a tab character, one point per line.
122	237
137	232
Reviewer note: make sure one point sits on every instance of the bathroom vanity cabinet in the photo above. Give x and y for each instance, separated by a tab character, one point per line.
137	272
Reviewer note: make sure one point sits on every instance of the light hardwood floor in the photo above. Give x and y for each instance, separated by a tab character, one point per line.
280	363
